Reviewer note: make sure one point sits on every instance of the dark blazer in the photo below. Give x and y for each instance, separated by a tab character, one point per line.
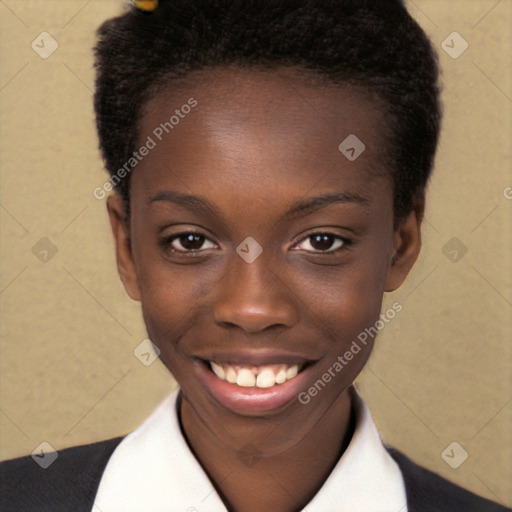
70	484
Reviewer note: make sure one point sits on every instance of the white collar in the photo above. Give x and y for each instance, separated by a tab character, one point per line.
153	469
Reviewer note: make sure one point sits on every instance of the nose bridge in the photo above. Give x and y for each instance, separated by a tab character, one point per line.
251	296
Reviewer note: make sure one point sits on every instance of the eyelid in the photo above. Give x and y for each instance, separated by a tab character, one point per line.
166	241
346	241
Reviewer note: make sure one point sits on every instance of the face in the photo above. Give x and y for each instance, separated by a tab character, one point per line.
258	250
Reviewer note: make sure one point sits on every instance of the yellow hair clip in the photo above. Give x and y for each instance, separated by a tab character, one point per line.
145	5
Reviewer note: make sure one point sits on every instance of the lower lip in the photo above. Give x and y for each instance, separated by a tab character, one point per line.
252	400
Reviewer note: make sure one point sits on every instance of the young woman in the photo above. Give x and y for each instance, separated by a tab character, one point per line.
270	160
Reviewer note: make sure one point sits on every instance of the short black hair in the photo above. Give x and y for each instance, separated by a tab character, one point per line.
374	44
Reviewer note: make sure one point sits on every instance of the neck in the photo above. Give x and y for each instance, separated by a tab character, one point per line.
284	482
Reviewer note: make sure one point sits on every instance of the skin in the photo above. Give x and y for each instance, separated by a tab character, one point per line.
257	143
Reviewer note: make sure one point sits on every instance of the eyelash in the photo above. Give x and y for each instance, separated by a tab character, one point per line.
166	242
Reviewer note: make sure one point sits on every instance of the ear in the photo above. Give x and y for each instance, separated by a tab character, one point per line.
406	245
121	232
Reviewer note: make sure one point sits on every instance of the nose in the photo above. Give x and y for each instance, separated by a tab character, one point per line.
251	296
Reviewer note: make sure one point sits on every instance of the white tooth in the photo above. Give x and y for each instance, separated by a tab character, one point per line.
266	379
245	378
281	376
218	370
231	375
292	371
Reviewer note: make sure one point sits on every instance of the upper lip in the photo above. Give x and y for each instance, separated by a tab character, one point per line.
259	357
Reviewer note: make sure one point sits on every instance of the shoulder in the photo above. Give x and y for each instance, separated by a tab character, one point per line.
428	492
69	483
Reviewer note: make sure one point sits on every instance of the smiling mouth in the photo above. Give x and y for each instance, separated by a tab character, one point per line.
250	376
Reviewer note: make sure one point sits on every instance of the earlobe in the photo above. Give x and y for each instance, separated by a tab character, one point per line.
124	257
407	246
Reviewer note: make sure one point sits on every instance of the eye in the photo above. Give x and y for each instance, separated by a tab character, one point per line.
325	243
187	242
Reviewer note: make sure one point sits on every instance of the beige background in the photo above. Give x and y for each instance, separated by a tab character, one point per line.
441	369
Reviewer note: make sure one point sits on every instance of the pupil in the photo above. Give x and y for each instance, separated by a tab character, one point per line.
192	241
322	242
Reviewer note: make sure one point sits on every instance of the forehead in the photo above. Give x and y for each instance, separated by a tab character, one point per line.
271	131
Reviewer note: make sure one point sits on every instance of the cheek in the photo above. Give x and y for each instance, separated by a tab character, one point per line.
341	308
170	299
337	301
168	315
347	298
177	308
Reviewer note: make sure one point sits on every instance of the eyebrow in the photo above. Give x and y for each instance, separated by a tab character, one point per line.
297	209
312	204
